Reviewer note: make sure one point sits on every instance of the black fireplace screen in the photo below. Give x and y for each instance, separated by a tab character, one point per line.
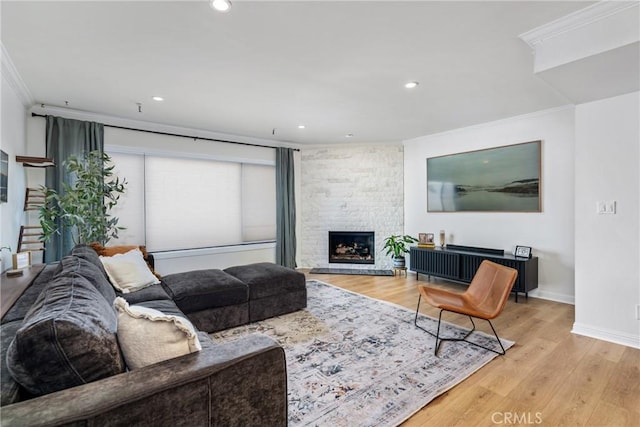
352	247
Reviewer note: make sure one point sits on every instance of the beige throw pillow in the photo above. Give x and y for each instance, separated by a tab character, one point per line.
147	336
128	272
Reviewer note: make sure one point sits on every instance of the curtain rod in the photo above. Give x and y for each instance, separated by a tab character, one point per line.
195	138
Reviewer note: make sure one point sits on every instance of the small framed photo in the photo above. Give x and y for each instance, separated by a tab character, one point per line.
425	238
21	260
523	252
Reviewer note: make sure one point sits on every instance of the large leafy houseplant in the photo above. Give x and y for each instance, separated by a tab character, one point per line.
84	206
397	246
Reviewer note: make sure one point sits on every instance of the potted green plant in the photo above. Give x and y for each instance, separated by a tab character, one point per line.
397	246
84	205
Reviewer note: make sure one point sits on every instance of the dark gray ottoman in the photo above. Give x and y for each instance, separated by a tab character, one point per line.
213	299
273	289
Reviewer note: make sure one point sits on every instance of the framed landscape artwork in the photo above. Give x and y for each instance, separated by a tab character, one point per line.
501	179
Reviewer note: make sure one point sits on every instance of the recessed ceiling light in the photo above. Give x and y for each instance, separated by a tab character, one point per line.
349	135
221	5
411	85
158	98
301	126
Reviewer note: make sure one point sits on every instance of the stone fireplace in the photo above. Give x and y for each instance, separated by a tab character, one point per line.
352	247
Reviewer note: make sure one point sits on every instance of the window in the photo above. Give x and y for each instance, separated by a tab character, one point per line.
189	203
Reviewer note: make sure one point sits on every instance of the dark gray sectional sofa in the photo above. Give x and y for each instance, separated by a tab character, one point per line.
62	365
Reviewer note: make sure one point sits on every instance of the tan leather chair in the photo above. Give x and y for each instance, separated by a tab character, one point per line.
484	299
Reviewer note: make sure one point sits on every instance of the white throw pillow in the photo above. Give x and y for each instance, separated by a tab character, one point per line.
128	272
147	336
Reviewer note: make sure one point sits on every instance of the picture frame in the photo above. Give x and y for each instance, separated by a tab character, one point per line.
21	260
500	179
425	238
522	252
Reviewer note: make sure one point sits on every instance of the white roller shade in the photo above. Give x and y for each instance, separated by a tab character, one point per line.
258	202
192	203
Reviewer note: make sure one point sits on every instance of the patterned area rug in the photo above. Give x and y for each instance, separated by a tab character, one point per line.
354	360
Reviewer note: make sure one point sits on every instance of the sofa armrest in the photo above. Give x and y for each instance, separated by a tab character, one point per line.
241	383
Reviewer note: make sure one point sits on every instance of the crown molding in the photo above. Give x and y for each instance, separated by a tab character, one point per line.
11	75
575	20
498	122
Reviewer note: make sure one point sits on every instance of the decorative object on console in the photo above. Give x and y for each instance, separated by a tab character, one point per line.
21	260
425	240
501	179
396	246
443	238
523	251
15	273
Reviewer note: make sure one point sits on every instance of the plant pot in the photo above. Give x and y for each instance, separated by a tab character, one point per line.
398	262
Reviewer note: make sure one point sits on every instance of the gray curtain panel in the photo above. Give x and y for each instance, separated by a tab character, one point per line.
285	208
64	138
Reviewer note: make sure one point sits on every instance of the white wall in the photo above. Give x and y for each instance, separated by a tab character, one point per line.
607	246
349	188
12	142
550	232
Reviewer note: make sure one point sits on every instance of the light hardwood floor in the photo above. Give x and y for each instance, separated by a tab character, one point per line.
551	377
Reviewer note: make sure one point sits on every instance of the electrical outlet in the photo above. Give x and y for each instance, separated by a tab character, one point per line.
606	207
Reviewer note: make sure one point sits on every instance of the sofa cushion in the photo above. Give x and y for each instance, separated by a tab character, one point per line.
266	279
68	338
10	391
166	306
87	253
89	267
150	293
201	289
128	272
148	336
121	249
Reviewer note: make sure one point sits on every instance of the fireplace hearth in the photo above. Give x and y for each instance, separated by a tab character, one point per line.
352	247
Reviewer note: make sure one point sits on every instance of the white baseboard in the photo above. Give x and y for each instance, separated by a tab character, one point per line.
553	296
616	337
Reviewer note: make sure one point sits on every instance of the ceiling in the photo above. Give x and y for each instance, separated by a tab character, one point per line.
266	67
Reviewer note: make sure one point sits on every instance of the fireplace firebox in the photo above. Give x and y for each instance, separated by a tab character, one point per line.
352	247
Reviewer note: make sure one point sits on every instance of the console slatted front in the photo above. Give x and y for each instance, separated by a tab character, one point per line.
461	266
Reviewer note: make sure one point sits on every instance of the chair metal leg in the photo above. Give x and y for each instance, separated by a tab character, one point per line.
439	339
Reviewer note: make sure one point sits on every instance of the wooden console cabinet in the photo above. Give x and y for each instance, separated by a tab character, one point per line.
459	263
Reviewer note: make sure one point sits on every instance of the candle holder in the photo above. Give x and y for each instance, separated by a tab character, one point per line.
442	238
